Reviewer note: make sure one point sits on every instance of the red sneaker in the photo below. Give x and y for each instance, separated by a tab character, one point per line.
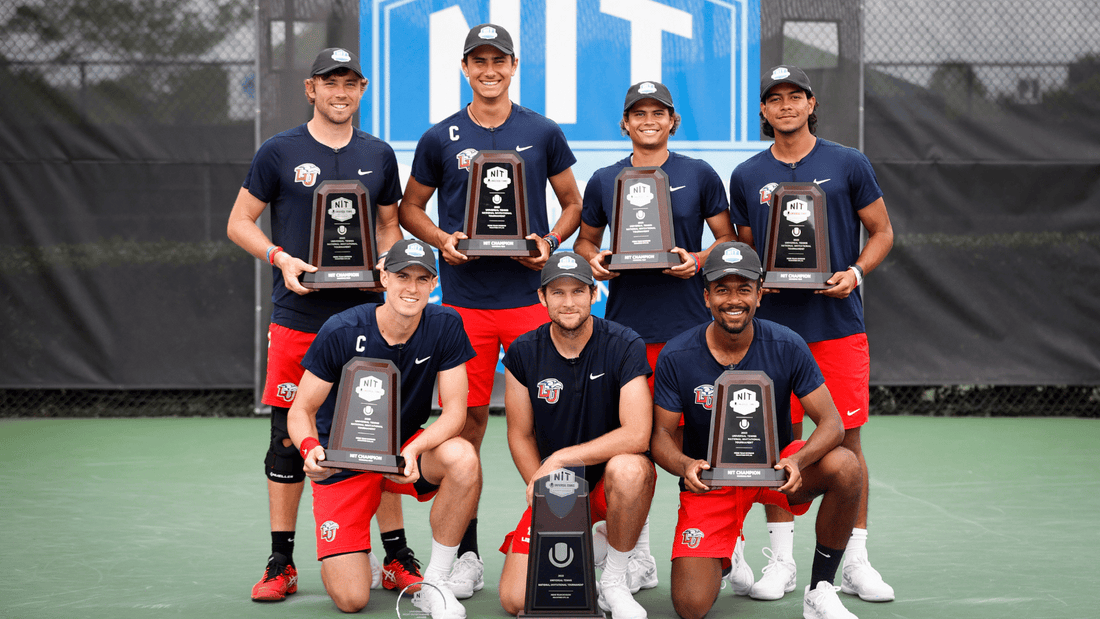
402	571
279	581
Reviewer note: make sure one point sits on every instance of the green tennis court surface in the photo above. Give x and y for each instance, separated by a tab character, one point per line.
970	518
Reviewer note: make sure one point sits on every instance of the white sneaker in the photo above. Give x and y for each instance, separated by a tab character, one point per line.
740	575
599	544
778	579
863	580
438	601
823	603
641	573
467	575
615	597
375	571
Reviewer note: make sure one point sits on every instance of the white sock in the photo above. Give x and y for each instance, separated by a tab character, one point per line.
782	538
439	566
858	541
617	562
642	546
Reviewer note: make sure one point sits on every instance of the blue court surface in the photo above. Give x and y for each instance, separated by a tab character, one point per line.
970	518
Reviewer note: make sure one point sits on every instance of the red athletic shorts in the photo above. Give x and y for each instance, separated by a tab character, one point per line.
488	330
652	351
846	365
709	524
285	349
342	511
519	540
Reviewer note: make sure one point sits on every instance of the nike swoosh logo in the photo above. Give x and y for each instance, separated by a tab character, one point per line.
824	555
850	413
362	173
419	361
595	376
520	149
822	182
677	188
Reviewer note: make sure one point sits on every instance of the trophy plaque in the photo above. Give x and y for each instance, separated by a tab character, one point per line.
496	219
744	444
798	238
341	240
561	574
641	222
366	427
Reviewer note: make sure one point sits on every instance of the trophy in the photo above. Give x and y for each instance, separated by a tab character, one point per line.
798	238
561	574
496	219
366	428
641	221
744	445
341	240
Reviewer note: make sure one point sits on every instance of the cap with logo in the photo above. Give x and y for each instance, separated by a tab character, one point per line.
567	264
406	253
732	258
784	74
648	90
335	58
488	34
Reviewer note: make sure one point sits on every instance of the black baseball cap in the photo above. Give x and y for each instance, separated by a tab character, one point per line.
784	74
567	264
488	34
335	58
732	258
408	252
648	90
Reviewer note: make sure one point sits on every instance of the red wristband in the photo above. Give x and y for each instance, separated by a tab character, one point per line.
696	259
272	252
308	443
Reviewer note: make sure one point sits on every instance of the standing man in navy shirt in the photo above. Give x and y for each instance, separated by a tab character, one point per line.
496	296
284	174
831	320
427	344
710	520
577	394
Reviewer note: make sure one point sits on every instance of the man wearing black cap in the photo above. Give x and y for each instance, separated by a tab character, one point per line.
577	393
427	344
496	296
284	173
830	320
710	520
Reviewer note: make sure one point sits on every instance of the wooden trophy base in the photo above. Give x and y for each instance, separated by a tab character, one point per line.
359	461
498	247
793	280
647	260
764	477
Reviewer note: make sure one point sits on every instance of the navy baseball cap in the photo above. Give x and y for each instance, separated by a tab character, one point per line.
335	58
732	258
408	252
784	74
488	34
648	90
567	264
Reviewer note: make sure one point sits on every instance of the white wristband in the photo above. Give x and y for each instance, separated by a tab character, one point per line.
859	273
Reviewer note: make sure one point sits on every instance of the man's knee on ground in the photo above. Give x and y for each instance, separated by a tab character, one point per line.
350	601
512	600
688	606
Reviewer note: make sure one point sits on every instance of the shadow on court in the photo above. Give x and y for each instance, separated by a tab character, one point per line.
970	518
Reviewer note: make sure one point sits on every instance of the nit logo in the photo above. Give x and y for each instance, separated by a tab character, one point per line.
306	174
704	395
370	389
744	402
797	211
287	391
497	178
550	390
639	194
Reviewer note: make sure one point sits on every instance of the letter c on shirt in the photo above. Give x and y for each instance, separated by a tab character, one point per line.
359	343
452	131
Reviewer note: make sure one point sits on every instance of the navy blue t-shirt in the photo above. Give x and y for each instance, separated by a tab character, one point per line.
284	174
576	400
442	161
438	344
686	371
849	183
658	306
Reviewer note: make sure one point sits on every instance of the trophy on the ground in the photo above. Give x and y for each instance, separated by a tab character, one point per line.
642	236
341	240
496	219
366	426
561	574
797	254
744	443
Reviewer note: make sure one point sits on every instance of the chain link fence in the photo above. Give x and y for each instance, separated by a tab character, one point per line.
187	62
